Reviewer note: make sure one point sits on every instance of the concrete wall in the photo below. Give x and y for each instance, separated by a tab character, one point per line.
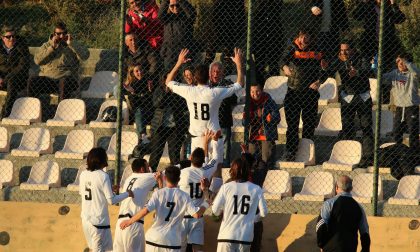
40	227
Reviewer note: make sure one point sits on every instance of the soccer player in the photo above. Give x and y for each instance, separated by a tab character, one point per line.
203	101
95	189
141	182
171	205
239	201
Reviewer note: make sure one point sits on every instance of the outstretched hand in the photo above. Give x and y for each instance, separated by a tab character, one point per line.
237	56
182	58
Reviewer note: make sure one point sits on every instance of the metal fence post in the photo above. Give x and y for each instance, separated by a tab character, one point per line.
249	73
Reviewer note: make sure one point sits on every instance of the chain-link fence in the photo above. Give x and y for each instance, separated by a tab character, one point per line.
317	74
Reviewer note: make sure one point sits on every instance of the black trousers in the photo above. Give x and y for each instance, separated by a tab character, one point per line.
258	233
363	109
174	137
407	117
295	103
13	84
45	85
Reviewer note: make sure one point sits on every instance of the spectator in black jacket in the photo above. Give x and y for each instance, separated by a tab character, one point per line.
340	219
178	17
14	66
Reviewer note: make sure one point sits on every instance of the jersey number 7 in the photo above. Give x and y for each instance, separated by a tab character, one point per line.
171	206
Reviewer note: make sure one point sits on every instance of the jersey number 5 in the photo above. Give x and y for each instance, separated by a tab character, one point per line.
205	111
244	204
88	196
171	206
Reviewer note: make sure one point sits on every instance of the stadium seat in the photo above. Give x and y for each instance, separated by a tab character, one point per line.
126	173
6	173
363	188
237	114
75	185
282	127
417	169
330	122
225	174
408	192
101	85
277	185
328	92
69	113
4	140
43	175
276	87
373	83
98	123
78	144
129	140
345	155
304	156
25	110
317	187
35	141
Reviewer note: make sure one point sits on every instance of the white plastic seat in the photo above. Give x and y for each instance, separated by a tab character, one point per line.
328	92
237	115
363	188
69	113
330	122
225	174
75	185
276	87
35	141
43	175
317	187
345	155
129	140
6	173
101	85
277	185
408	192
373	83
305	155
282	127
98	123
25	110
4	140
78	144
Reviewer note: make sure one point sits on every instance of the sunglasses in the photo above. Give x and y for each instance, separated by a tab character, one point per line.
174	5
60	33
135	2
9	36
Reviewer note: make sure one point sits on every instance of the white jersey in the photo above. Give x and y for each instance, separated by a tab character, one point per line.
239	203
203	104
190	181
95	189
171	204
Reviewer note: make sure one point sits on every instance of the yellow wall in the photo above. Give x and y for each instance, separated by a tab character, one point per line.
39	227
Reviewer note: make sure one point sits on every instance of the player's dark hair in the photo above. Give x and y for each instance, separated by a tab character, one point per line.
172	174
197	157
139	163
60	25
97	159
239	170
184	163
201	74
406	56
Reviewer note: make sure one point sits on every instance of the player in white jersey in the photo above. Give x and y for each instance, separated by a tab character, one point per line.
141	182
203	101
95	189
170	204
239	201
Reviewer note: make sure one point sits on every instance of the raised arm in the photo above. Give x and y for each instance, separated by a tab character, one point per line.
237	59
182	58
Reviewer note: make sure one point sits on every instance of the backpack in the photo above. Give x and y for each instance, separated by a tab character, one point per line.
109	114
401	159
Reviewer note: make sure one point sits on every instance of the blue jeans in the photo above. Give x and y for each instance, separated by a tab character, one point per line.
141	118
227	135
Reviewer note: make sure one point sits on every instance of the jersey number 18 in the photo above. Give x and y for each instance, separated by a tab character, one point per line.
204	109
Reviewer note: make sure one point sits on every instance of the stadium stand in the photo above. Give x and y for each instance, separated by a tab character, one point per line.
75	185
98	123
129	140
330	122
4	140
35	141
276	87
345	156
317	186
69	113
408	191
43	175
25	110
101	85
305	155
6	173
363	188
78	144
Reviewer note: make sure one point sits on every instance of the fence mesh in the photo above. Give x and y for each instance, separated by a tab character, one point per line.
311	119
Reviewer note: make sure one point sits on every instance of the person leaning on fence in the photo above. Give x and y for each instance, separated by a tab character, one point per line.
340	219
59	60
405	82
264	116
301	63
14	66
355	97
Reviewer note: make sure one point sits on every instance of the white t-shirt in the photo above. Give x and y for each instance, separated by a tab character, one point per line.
95	189
203	104
239	203
190	181
171	204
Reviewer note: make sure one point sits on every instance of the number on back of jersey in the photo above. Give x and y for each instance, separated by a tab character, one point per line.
88	190
243	204
171	206
195	191
204	113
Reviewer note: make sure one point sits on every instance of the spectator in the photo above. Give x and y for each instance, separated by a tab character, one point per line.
178	17
405	82
169	124
355	97
301	63
264	116
14	66
142	20
332	15
59	60
225	111
340	219
188	75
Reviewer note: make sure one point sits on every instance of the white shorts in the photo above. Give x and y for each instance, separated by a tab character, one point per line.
214	147
151	248
192	231
232	247
98	239
130	239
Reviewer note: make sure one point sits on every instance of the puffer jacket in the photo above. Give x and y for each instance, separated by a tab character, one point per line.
17	62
